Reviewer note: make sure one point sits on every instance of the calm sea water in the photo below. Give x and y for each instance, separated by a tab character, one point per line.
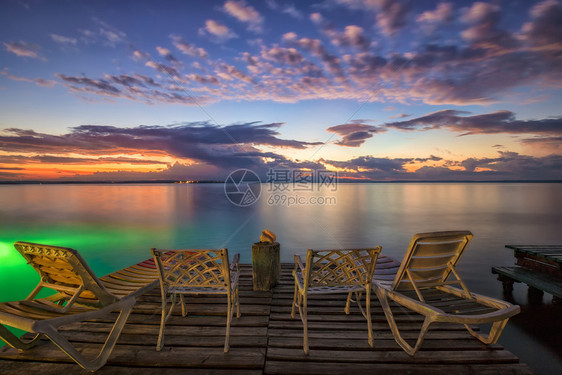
115	225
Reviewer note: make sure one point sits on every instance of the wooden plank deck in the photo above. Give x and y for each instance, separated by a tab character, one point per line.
265	340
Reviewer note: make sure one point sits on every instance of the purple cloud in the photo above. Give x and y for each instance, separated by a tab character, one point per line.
245	13
24	49
391	15
488	123
507	166
354	134
201	141
64	40
187	48
38	81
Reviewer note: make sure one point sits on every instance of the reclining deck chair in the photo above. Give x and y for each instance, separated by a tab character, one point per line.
185	272
422	284
81	296
334	271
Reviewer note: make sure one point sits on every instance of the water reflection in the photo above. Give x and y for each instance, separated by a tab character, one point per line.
116	225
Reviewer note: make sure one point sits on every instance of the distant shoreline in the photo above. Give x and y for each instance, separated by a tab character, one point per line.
341	181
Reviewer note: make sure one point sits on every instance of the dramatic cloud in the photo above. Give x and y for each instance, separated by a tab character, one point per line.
50	159
479	62
100	86
137	87
140	55
488	123
433	19
391	15
103	33
24	49
513	164
207	151
289	9
544	145
224	147
38	81
187	48
64	40
352	36
167	54
292	11
217	31
507	166
484	31
355	133
545	28
245	13
545	132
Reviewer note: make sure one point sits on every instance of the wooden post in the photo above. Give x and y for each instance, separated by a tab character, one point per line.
266	265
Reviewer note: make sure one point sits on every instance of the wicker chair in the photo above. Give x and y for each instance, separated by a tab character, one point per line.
80	296
185	272
423	285
334	271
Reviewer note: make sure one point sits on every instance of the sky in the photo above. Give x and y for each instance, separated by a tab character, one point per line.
376	90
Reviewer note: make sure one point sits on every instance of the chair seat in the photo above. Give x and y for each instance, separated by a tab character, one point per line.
197	290
327	289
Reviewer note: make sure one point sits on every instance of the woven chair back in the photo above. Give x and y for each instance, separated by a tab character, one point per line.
193	268
329	268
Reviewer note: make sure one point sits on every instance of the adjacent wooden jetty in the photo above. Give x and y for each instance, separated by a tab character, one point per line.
265	340
538	266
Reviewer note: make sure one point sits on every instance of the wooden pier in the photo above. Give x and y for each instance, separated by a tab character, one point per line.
265	340
538	266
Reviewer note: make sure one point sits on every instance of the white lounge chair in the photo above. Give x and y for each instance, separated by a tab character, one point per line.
423	285
80	296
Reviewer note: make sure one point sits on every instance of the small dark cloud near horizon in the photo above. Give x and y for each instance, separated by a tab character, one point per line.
354	133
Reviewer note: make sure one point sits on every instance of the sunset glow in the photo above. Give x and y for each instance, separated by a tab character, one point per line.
376	89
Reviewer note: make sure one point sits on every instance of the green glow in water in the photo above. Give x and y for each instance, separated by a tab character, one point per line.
104	248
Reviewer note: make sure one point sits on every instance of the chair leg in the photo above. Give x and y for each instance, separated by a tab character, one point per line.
95	364
394	327
494	334
229	313
304	318
348	303
15	342
368	316
163	319
183	308
237	303
294	302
